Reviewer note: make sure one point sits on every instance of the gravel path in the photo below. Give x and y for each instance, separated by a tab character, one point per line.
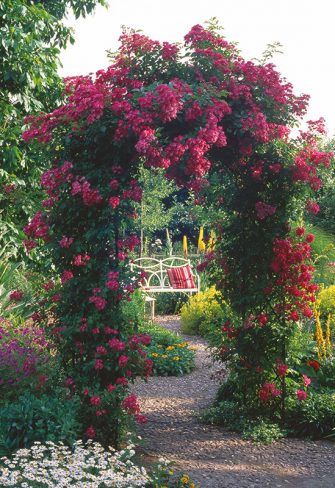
213	457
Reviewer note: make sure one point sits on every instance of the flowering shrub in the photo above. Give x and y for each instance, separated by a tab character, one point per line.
314	417
217	124
173	360
200	310
24	359
55	465
169	354
326	301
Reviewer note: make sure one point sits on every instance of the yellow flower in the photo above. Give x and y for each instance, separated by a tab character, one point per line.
185	478
320	341
164	356
154	354
185	250
192	485
201	244
328	340
170	348
160	346
176	358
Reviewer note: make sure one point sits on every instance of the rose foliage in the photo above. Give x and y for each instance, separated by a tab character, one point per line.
218	125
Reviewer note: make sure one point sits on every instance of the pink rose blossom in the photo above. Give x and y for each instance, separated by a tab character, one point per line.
307	381
95	400
301	395
123	361
66	241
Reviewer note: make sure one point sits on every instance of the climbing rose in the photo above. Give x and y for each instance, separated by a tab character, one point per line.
16	295
294	316
66	241
114	202
90	432
130	404
301	395
282	369
99	364
66	276
307	381
123	360
29	244
99	302
312	207
81	259
95	400
264	210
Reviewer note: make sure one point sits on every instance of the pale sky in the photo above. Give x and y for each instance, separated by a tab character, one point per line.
305	28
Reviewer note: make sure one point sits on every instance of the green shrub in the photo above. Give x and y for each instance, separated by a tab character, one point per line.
134	310
325	376
263	432
323	253
160	334
230	415
201	311
171	356
326	300
226	413
169	303
314	417
45	418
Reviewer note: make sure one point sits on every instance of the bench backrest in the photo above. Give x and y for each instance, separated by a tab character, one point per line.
156	270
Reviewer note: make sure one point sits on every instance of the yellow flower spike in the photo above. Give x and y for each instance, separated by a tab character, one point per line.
201	244
328	340
185	249
320	341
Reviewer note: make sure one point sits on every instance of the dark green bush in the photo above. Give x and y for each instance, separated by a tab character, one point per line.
169	303
226	413
45	418
229	414
134	310
314	417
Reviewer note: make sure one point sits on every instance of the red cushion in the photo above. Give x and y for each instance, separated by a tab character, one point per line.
181	277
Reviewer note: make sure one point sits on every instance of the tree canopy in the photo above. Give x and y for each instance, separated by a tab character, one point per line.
31	36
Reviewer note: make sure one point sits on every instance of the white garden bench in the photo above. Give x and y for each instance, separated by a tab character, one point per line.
157	280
